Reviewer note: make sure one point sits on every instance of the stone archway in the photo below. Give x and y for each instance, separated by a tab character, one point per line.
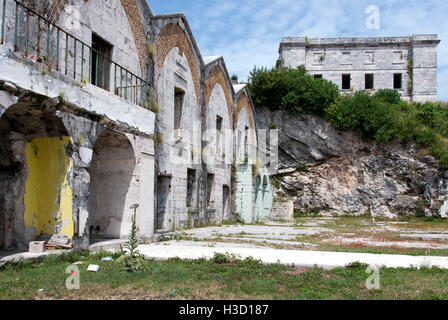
35	166
111	173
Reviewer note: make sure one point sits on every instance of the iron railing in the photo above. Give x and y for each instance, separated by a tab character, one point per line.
39	39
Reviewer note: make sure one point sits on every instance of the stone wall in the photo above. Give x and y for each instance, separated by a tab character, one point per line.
218	94
177	70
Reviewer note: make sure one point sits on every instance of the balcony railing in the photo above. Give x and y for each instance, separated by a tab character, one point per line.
38	39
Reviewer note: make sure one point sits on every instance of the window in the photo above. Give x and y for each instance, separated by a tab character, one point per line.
398	57
178	106
369	78
346	57
346	82
218	133
398	80
100	72
369	57
317	76
319	58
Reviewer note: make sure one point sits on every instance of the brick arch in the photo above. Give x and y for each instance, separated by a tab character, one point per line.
138	31
50	9
217	76
172	36
243	102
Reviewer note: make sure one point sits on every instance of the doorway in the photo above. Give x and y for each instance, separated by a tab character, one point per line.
225	203
163	203
111	173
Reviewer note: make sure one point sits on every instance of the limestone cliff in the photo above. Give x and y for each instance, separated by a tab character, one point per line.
332	172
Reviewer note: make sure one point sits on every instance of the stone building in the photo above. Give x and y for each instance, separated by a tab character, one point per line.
107	110
407	64
77	152
205	129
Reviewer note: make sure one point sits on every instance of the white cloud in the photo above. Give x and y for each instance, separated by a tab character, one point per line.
248	32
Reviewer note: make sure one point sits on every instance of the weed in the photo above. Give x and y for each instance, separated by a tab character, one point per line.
132	261
303	167
61	97
151	51
158	138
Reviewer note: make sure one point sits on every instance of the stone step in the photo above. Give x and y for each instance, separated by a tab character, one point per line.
282	210
163	236
107	245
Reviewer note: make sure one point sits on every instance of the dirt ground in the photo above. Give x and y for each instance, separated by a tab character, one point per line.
414	236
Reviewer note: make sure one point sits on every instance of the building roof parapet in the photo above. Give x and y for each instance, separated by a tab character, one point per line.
290	42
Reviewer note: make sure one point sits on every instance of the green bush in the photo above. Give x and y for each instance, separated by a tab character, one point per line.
369	117
388	95
291	89
378	119
433	115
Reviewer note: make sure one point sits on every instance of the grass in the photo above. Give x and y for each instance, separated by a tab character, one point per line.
223	277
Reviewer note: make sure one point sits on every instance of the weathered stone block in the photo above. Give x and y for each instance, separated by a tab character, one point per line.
282	210
37	247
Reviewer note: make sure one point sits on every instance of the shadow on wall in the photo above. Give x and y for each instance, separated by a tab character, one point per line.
111	174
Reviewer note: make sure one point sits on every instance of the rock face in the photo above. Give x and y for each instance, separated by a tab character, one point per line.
348	176
306	139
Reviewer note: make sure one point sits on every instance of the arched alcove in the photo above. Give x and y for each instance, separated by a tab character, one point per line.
35	161
111	174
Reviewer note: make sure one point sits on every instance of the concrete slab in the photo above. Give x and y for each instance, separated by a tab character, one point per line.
368	242
425	236
208	244
270	241
297	258
14	257
107	245
255	231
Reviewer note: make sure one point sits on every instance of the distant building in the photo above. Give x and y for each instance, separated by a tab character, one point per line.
407	64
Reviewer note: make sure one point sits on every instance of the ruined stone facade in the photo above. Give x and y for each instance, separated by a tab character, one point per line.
77	150
107	111
204	126
407	64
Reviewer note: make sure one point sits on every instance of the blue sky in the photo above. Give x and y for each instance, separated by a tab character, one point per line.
248	32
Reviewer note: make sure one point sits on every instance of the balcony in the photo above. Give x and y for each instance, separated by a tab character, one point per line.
36	38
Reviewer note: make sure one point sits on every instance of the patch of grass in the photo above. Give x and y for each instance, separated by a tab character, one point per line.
61	96
302	168
223	277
